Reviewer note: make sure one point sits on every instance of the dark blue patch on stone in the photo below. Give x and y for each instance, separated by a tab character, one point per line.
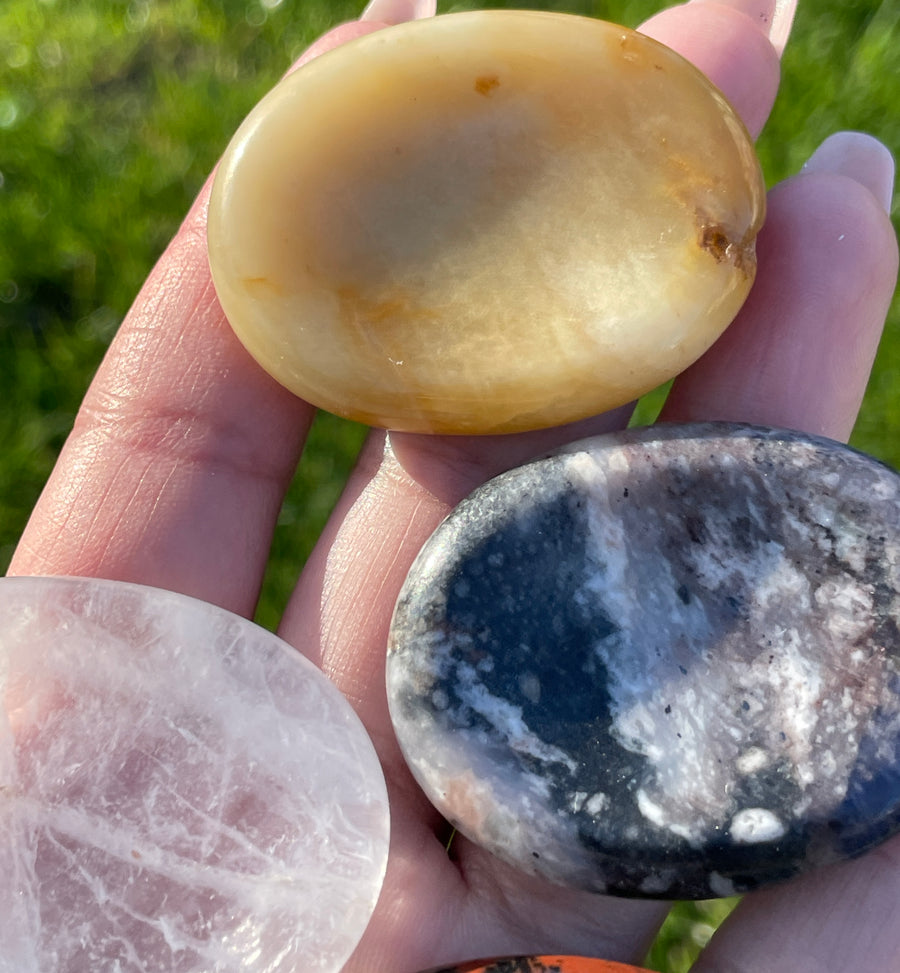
506	593
661	663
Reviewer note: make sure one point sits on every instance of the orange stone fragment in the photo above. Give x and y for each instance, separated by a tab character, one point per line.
542	964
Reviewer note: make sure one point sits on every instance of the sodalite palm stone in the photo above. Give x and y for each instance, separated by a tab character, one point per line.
662	663
180	791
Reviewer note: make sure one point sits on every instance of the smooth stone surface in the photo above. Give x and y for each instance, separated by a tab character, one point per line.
661	664
485	222
180	791
541	964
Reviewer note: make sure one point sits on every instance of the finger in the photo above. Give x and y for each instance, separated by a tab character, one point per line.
388	12
735	43
165	478
431	911
841	918
179	458
340	613
800	352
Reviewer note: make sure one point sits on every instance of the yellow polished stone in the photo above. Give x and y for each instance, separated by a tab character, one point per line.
485	222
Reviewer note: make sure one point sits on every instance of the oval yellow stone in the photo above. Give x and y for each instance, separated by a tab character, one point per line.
485	222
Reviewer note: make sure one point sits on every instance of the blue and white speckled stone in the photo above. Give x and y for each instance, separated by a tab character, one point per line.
662	663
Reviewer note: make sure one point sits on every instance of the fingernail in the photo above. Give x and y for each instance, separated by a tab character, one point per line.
861	157
781	20
398	11
774	17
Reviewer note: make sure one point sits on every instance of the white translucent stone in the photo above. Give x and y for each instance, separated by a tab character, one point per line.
180	791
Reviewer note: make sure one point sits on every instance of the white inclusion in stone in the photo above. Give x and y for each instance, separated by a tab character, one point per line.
754	825
180	791
597	803
652	812
752	760
720	886
658	883
657	815
779	686
593	804
507	720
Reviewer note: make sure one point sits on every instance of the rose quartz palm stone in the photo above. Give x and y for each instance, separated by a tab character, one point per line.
180	791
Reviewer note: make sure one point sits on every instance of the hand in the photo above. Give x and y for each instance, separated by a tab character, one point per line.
167	480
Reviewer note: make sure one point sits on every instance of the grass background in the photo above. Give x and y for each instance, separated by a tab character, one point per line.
113	111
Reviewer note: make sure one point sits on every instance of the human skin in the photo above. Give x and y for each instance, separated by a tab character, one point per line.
166	480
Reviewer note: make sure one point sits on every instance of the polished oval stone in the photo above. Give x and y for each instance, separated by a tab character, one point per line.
663	663
180	791
485	222
542	964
